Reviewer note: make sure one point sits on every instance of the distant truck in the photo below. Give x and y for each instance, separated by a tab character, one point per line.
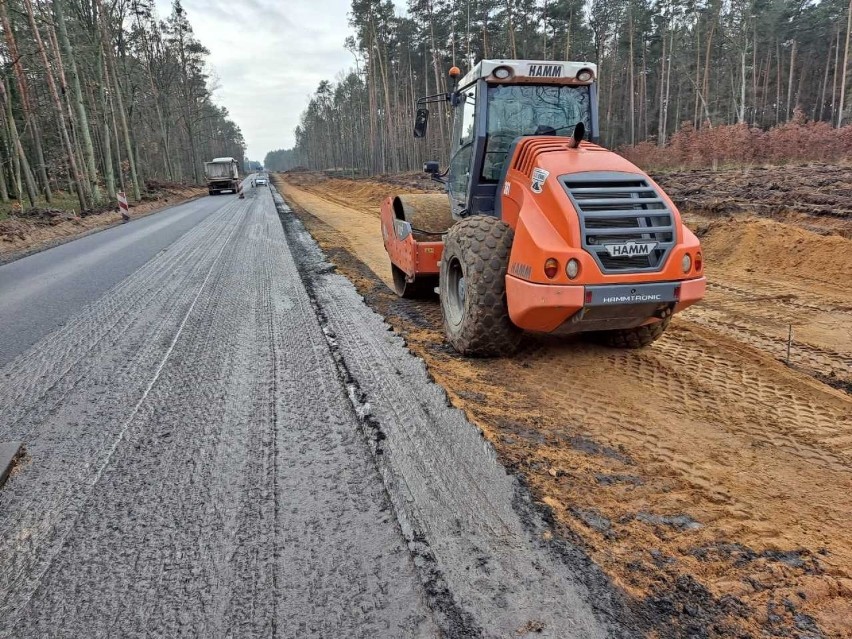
223	174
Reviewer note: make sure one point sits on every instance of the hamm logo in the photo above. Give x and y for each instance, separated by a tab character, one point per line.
545	71
630	249
521	270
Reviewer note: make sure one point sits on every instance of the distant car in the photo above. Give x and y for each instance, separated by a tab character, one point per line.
261	181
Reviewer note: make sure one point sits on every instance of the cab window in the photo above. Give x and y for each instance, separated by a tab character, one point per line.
464	135
516	110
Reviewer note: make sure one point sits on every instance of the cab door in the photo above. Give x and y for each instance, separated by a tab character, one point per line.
463	144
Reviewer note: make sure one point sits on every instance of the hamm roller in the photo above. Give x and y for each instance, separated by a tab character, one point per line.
540	229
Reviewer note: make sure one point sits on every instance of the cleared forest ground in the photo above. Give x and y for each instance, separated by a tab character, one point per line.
710	480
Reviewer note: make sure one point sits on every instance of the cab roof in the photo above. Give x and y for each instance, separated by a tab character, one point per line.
530	71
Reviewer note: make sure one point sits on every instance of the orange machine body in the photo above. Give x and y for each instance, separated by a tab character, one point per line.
413	257
534	202
547	226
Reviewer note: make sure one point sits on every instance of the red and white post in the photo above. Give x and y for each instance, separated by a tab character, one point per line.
123	207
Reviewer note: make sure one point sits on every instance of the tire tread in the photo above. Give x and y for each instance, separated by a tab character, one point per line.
482	244
637	337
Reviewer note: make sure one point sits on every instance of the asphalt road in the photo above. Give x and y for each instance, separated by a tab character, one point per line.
41	292
223	440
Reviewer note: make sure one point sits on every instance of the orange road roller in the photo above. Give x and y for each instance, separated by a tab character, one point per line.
541	229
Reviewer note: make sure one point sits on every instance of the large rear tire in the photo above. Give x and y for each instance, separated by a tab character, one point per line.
637	337
421	288
473	287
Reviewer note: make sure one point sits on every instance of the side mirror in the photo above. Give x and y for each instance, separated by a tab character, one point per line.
431	167
421	121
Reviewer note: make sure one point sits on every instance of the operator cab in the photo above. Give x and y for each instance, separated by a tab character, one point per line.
498	102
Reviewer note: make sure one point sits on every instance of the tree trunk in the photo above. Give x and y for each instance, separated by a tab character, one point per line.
79	104
5	158
754	73
696	113
668	88
23	90
157	101
632	86
57	103
109	172
790	78
778	83
845	67
388	112
834	80
109	66
705	87
820	107
511	28
661	126
23	163
56	57
742	107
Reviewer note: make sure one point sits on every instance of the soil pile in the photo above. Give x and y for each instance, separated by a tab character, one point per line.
361	194
46	216
416	180
772	248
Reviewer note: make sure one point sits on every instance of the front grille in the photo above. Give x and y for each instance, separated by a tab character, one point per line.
634	262
617	208
612	223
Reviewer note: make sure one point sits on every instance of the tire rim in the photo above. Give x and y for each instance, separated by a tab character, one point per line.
456	292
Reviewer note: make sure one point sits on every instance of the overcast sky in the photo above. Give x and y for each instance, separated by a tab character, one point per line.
268	56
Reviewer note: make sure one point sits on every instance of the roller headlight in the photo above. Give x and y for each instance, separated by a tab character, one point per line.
584	75
572	268
686	263
502	73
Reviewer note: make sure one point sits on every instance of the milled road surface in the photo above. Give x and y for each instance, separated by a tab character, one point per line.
223	440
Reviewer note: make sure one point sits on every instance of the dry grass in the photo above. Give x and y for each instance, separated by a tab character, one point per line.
738	145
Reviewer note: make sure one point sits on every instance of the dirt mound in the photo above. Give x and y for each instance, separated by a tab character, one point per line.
413	180
46	216
18	227
12	229
362	194
304	177
375	188
769	247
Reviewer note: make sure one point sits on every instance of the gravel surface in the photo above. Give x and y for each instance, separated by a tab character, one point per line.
222	445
